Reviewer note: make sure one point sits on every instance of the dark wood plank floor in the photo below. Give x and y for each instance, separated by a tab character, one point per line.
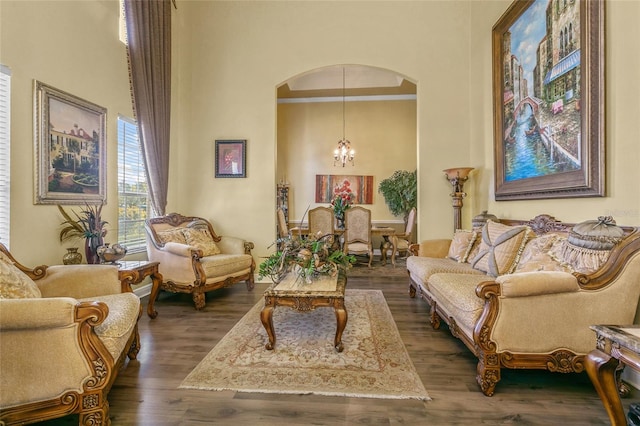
146	391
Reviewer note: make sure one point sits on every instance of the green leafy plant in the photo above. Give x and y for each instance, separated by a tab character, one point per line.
307	258
86	224
400	192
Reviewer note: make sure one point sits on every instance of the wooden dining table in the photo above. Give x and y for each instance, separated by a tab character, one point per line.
388	234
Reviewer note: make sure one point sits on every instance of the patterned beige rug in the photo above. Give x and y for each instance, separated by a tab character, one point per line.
374	363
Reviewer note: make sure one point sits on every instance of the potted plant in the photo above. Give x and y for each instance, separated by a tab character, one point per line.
400	192
307	258
87	224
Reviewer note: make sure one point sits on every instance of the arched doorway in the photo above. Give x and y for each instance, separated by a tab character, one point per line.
374	108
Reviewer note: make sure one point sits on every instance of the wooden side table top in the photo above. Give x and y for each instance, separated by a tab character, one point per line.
616	346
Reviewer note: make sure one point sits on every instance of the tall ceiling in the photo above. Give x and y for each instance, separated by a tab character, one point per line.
358	80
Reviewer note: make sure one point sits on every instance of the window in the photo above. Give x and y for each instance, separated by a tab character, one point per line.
5	153
133	193
122	25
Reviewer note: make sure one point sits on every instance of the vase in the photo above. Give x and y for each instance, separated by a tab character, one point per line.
340	221
72	257
91	245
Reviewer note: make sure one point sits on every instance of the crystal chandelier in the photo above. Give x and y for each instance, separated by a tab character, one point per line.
343	153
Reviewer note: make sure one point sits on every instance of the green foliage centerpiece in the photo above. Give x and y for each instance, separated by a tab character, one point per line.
306	257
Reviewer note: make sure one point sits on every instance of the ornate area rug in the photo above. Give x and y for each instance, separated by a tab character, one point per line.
374	363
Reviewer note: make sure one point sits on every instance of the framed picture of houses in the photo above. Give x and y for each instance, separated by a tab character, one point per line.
70	148
548	94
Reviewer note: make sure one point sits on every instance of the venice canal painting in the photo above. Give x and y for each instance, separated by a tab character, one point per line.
541	91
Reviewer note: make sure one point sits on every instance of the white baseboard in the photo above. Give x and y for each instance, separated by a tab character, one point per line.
631	377
143	290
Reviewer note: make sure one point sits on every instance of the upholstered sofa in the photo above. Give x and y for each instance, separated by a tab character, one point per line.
65	331
526	294
194	259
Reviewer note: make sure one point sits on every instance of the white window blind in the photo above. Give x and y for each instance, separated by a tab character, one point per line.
5	153
133	193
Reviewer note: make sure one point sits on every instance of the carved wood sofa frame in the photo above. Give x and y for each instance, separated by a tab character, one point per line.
490	361
199	286
91	403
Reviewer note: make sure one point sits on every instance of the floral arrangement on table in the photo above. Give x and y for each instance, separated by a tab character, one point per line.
306	257
343	198
87	224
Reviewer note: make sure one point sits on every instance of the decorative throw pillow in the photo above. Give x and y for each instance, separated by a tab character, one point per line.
536	246
202	240
500	248
15	284
537	255
461	245
199	223
172	235
578	259
600	234
589	243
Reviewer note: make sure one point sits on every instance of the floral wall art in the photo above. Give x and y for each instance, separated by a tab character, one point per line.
361	187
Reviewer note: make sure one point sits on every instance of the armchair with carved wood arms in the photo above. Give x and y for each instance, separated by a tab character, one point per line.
194	259
65	331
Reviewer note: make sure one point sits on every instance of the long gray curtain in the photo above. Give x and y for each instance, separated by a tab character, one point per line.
149	54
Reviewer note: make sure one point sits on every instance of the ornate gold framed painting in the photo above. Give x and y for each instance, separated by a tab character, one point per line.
70	148
548	95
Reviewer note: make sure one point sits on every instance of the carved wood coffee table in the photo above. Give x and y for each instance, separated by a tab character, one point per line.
296	294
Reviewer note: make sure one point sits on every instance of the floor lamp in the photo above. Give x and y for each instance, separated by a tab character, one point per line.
457	177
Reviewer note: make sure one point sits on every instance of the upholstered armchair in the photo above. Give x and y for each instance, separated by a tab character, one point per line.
357	232
65	331
194	259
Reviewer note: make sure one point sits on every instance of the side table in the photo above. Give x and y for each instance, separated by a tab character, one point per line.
615	346
134	271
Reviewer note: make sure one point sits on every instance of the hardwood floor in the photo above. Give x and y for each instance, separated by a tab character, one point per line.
146	391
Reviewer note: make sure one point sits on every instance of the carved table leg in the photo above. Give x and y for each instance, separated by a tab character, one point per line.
601	368
384	246
156	280
394	245
266	316
341	320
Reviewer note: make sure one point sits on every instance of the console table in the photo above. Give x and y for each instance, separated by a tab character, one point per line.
615	346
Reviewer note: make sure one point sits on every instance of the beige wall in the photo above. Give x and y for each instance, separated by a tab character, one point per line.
229	57
383	134
72	46
621	117
236	54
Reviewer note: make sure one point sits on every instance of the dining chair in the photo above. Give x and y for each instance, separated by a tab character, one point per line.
321	221
404	240
357	232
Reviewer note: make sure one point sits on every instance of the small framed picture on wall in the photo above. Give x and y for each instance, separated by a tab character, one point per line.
231	158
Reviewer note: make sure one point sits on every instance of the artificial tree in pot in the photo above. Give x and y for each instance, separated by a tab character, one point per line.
400	192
